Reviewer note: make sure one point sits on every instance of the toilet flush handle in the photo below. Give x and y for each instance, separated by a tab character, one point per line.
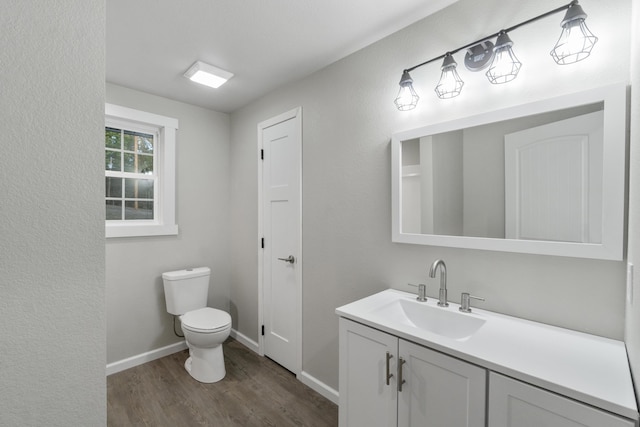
290	259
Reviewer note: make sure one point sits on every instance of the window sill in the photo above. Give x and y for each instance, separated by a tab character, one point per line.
137	230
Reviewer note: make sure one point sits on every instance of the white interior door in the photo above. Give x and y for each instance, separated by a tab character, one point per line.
553	181
281	226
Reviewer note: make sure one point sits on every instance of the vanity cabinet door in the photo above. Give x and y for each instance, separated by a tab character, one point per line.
440	391
366	400
515	404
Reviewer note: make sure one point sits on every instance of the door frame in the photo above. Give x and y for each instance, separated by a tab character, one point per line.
295	114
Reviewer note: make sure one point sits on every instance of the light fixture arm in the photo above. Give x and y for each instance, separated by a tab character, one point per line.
496	34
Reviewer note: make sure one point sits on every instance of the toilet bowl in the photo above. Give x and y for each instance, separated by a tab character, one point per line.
205	330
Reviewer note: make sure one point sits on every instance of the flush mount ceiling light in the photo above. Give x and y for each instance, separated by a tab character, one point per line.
207	75
575	44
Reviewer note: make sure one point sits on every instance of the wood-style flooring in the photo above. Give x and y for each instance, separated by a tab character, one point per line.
255	392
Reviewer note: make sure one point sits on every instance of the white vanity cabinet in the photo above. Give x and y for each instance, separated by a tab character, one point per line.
436	390
475	369
514	403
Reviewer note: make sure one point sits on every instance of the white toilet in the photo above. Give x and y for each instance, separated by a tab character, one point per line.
205	328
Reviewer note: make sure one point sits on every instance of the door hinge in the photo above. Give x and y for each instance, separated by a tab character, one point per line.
262	330
261	154
262	243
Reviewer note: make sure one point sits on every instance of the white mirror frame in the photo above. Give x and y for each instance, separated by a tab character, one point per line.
614	162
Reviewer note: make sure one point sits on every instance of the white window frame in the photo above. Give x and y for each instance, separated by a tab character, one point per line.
165	216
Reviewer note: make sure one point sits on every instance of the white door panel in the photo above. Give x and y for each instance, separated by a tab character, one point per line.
281	227
553	181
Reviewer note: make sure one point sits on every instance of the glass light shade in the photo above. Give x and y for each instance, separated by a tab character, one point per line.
450	84
407	98
505	65
576	41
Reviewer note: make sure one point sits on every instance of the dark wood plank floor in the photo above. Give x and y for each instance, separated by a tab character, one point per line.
255	392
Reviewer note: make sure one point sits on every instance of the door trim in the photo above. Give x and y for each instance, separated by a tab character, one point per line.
295	114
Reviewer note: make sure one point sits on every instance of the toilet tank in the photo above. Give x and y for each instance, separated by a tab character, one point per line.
186	290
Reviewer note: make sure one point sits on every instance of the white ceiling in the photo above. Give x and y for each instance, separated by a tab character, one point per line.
265	43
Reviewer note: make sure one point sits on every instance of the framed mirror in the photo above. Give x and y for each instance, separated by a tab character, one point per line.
546	177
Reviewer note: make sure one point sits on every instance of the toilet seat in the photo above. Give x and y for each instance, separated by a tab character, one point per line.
206	320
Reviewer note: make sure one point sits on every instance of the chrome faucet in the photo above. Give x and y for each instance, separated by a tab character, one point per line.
442	301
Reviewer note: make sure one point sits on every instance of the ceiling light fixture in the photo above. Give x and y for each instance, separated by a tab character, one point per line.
207	75
575	44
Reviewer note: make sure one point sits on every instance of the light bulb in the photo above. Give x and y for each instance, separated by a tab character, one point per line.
407	98
576	41
450	84
505	66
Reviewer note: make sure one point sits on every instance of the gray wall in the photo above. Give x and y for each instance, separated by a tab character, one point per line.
632	330
137	320
52	332
348	118
448	186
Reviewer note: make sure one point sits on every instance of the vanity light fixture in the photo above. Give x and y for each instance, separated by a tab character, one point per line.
207	75
576	41
505	65
575	44
407	98
450	83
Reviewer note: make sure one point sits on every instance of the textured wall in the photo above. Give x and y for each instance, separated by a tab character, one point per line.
348	118
137	318
52	317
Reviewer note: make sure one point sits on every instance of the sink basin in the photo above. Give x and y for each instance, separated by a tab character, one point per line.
448	322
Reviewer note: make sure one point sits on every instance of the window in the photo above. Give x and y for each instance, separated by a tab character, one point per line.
139	173
130	176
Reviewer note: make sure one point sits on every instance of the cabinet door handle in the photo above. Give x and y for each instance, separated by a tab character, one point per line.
401	362
389	374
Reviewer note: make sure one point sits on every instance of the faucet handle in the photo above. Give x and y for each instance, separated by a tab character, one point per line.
465	302
422	291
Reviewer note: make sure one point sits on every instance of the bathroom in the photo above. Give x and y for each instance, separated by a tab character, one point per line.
348	119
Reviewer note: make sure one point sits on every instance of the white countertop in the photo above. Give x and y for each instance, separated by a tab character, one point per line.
587	368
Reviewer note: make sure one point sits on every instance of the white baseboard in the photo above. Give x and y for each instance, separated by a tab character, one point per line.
318	386
139	359
306	379
245	340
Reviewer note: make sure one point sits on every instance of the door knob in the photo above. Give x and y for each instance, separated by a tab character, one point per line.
290	259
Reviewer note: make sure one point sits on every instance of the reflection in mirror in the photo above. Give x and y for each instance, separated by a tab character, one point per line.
546	177
537	177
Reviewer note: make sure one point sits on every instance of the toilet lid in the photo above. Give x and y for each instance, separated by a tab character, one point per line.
206	320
